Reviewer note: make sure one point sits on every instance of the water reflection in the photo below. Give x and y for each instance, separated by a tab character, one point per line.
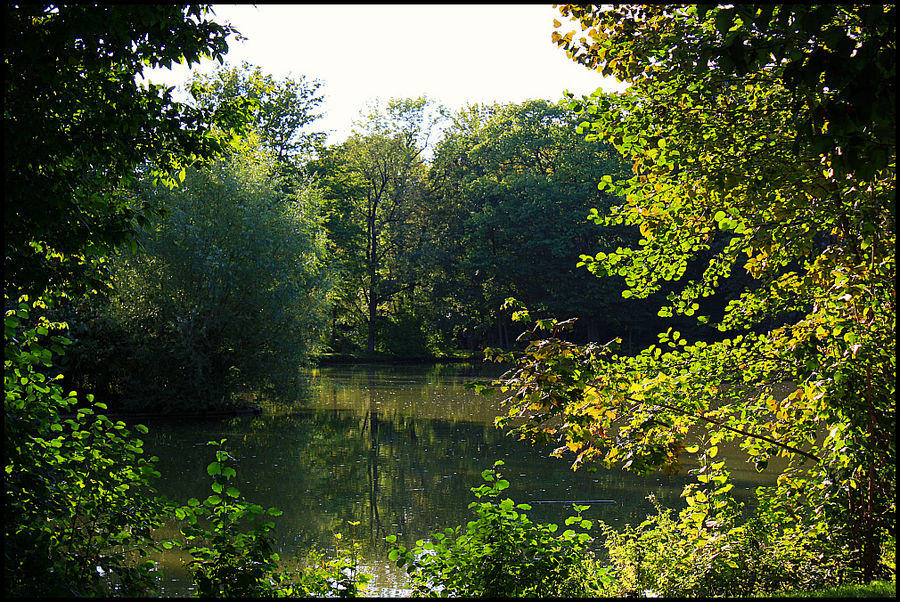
396	449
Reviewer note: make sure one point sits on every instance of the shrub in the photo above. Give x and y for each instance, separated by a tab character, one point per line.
78	504
231	558
503	553
713	548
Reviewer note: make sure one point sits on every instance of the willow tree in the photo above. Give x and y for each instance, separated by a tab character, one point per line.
770	130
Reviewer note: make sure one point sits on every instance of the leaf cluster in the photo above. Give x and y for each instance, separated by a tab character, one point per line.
503	553
229	557
77	126
78	503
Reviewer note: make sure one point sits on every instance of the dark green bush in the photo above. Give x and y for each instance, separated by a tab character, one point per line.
228	293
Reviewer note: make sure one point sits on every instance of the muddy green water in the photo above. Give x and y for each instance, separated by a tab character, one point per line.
395	448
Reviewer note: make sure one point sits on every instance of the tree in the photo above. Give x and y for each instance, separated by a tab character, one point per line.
228	291
745	123
376	180
77	498
513	185
76	125
281	112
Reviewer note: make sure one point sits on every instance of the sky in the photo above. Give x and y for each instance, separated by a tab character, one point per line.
455	54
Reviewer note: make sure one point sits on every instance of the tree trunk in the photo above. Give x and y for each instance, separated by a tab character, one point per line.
373	279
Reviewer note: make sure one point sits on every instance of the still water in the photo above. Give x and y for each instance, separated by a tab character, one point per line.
395	448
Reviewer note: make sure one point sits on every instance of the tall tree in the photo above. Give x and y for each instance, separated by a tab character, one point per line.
513	186
378	184
281	110
76	125
772	127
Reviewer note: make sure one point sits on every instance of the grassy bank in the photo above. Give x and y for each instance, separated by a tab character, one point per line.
876	589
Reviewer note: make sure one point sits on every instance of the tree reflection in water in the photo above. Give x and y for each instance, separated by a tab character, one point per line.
397	449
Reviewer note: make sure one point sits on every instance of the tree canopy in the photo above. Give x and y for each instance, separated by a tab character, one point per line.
744	125
76	125
279	109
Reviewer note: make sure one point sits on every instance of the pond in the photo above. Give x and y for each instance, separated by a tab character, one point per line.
397	449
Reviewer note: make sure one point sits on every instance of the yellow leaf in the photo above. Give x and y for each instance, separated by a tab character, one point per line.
713	451
556	23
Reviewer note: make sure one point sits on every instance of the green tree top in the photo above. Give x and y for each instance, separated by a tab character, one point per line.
280	109
76	125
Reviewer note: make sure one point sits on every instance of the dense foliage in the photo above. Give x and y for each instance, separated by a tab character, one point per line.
78	505
511	187
76	124
226	295
79	133
281	110
778	155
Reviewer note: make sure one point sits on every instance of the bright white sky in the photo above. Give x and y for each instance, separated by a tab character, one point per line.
455	54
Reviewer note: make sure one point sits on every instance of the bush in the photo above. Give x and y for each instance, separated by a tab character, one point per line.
503	553
230	558
677	558
229	292
78	504
714	549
